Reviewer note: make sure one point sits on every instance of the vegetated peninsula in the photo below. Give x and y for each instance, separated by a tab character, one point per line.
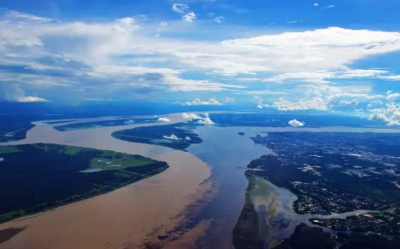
103	123
13	129
39	177
176	136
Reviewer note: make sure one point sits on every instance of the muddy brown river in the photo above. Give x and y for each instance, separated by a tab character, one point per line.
127	217
186	202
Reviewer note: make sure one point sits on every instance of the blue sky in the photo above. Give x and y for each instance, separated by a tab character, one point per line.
274	55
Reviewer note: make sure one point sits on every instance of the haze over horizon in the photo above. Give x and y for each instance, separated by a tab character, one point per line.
286	55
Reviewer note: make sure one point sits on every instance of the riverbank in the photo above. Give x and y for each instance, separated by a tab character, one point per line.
40	177
136	214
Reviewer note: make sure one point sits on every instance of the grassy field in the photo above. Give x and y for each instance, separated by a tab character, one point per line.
35	178
9	149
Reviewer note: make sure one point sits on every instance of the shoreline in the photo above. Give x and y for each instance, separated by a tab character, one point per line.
157	203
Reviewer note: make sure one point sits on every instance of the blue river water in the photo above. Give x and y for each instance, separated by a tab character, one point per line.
228	155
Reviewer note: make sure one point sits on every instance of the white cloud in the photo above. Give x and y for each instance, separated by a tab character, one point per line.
124	55
393	122
301	105
161	27
183	9
330	6
129	121
230	100
180	8
205	121
324	98
31	99
295	123
321	49
25	16
292	22
315	4
171	137
323	77
261	104
176	83
162	119
392	97
353	102
190	116
260	92
374	103
197	101
126	20
14	93
390	77
189	17
219	19
188	138
389	114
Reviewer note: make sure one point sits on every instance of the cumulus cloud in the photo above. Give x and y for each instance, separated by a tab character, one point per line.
334	47
129	121
31	99
171	137
188	138
316	4
124	56
353	102
326	98
190	116
295	123
180	8
230	100
374	103
392	97
205	121
390	113
393	123
14	93
198	101
377	116
45	62
301	105
261	104
183	9
189	17
163	119
219	19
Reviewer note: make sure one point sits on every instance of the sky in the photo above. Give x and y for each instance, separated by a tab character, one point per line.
286	55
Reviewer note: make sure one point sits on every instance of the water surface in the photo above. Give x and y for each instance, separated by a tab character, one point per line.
125	218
